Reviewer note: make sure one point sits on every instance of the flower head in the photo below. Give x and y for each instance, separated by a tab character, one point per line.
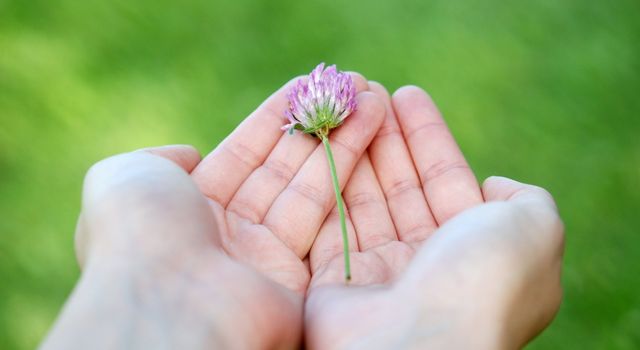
322	103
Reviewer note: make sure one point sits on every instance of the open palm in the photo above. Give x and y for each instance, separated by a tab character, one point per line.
427	272
412	180
200	265
270	192
147	233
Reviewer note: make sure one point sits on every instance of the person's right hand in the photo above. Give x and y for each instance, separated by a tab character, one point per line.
270	191
437	261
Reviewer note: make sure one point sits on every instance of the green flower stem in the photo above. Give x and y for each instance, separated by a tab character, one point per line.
343	222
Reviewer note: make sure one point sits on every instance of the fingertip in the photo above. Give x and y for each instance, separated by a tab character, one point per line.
409	90
123	172
411	94
383	95
294	80
499	188
534	200
359	80
490	182
372	99
379	89
390	123
411	103
185	156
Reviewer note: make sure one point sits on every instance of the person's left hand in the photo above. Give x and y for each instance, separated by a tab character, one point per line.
194	253
154	273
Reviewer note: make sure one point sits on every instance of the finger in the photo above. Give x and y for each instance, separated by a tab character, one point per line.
538	207
368	207
497	188
361	83
222	171
257	193
448	182
398	178
185	156
329	243
298	212
139	197
517	227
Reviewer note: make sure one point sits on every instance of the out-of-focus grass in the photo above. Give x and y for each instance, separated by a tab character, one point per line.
544	92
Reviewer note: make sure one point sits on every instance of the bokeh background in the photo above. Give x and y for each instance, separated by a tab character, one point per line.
546	92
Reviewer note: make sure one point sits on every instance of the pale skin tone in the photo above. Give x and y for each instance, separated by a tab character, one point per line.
242	249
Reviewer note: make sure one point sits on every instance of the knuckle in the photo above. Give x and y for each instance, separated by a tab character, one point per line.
313	194
348	145
441	168
245	209
417	232
361	199
279	169
401	186
243	154
427	127
389	129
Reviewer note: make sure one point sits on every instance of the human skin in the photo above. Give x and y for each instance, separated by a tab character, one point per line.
437	260
186	253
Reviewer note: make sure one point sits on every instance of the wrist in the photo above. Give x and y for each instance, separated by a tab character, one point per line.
451	322
208	303
118	305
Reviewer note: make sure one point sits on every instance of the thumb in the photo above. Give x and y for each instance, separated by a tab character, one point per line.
536	206
498	188
142	204
185	156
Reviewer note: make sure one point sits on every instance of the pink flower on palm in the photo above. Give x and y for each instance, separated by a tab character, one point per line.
322	103
316	107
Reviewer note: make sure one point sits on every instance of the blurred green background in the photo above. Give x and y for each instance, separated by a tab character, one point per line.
545	92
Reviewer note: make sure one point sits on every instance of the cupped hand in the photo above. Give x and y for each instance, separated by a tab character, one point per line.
155	274
212	250
270	191
436	260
